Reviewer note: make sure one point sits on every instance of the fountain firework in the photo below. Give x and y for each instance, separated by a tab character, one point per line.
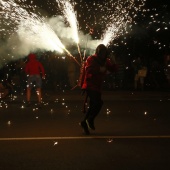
118	21
70	15
30	27
109	20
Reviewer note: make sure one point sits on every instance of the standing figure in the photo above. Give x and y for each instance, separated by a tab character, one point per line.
34	69
140	74
95	68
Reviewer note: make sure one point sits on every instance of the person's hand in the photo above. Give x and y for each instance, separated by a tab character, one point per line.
112	59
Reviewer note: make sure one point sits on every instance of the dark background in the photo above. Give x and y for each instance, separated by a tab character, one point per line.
147	37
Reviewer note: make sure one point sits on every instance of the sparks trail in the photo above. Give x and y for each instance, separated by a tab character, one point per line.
72	57
118	21
30	26
113	17
69	14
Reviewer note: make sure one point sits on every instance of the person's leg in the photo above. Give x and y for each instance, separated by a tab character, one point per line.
83	124
95	106
4	93
136	81
29	87
142	83
38	91
28	94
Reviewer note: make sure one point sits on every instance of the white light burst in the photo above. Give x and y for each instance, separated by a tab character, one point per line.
70	15
117	22
32	29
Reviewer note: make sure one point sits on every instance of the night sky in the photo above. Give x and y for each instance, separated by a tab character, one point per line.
141	29
147	34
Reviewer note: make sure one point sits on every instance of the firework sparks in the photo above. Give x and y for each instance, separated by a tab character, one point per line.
109	20
69	14
119	19
70	55
30	27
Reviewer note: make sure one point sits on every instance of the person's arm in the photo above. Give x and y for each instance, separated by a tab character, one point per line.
92	68
111	65
26	69
42	70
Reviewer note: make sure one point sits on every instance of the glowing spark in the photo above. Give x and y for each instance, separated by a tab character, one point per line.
55	143
108	112
22	107
9	123
110	140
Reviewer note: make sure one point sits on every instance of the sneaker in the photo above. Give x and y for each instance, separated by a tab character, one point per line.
90	124
85	127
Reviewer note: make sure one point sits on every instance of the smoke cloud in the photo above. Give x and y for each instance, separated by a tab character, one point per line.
65	34
25	40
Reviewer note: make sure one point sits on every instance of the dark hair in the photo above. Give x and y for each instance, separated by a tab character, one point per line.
100	48
102	54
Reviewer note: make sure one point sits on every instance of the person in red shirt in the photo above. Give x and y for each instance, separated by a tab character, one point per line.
96	67
34	70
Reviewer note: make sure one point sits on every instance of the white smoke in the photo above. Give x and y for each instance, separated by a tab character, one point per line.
26	40
65	34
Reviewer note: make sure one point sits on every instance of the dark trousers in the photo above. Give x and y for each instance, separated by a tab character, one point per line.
95	105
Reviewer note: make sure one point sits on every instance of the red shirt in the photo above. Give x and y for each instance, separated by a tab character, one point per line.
93	77
34	67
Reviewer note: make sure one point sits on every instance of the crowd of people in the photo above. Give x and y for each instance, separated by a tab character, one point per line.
63	73
99	71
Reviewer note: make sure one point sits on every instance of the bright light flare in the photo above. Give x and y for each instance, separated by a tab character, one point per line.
32	29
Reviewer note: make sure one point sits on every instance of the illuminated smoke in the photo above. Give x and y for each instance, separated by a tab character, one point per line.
28	31
23	31
69	13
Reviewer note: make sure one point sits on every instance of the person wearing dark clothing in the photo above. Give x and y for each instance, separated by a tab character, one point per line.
34	69
6	86
95	68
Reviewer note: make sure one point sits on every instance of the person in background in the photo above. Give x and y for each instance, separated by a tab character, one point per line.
95	68
34	70
3	91
140	74
6	86
120	74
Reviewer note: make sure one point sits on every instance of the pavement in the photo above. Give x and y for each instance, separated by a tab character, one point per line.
132	132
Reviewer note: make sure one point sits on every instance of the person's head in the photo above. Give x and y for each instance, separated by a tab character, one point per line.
101	52
31	56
